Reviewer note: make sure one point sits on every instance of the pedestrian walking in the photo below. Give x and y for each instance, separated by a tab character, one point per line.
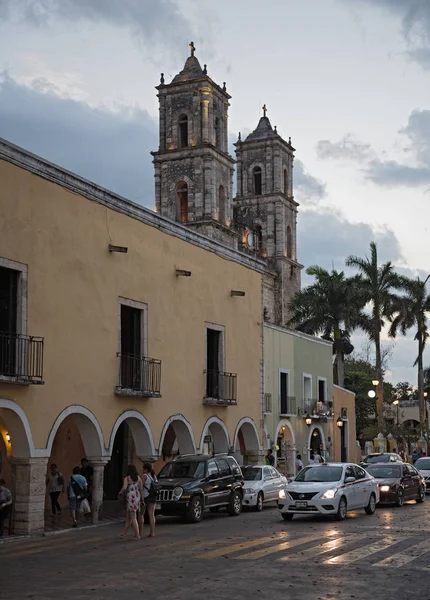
299	463
55	486
132	490
76	490
150	497
270	459
5	504
87	471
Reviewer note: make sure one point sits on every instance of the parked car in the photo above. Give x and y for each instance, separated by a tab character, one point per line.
329	489
398	483
423	466
261	484
190	484
381	457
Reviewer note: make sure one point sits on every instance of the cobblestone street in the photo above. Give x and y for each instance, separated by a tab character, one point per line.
254	554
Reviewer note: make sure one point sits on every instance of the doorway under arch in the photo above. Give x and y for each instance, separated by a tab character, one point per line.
316	442
214	438
286	448
176	438
246	442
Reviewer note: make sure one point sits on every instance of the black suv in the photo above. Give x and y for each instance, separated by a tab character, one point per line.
190	484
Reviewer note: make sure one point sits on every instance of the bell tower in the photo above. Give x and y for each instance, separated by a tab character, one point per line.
193	170
266	213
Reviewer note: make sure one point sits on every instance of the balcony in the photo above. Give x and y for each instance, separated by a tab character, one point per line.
21	359
287	406
317	408
139	376
221	389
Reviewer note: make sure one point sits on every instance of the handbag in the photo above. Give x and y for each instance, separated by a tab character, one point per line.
85	507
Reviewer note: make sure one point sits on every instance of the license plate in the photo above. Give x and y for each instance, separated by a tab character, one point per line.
158	506
301	504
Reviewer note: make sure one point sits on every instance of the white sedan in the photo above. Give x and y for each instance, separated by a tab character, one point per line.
329	489
423	466
262	484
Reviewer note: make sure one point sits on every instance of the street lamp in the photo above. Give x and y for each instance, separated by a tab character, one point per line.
339	423
308	420
396	404
371	394
375	382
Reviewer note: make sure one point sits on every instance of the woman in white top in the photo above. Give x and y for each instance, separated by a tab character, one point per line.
149	497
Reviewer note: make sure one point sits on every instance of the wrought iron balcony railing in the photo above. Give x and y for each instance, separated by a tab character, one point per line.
21	358
139	376
317	408
287	405
221	388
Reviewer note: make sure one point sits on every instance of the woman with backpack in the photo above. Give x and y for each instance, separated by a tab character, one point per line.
150	497
132	490
77	489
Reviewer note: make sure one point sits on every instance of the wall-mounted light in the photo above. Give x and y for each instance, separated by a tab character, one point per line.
8	438
308	420
237	293
339	423
182	273
375	382
121	249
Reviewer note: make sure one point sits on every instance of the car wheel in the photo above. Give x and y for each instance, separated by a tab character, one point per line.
400	500
287	516
371	507
215	509
259	505
422	495
195	510
342	509
235	505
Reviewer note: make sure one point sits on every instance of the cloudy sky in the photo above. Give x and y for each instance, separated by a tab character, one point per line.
348	80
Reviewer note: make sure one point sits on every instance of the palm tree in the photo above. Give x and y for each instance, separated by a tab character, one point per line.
377	283
411	312
328	307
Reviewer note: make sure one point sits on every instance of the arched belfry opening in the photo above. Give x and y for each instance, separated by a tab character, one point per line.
182	202
183	131
257	181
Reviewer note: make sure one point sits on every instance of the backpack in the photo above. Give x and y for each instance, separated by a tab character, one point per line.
152	496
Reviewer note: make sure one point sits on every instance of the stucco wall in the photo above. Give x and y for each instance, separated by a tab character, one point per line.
73	289
345	399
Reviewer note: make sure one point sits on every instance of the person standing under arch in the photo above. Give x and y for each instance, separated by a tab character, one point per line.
150	497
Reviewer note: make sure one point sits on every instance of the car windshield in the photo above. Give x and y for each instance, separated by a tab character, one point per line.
377	458
382	472
183	470
320	474
251	474
423	463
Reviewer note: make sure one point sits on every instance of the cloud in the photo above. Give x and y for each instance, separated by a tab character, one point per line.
109	148
347	148
415	18
160	22
308	190
412	171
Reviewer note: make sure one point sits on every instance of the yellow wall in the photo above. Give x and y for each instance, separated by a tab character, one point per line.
345	399
73	289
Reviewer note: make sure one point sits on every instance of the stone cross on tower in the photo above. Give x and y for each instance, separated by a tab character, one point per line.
192	48
264	110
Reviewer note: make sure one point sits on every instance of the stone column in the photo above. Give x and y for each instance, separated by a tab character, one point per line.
98	464
28	492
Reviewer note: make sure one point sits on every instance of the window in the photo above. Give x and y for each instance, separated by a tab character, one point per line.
285	182
224	469
321	390
360	473
235	469
214	360
267	473
349	472
183	131
217	133
257	181
259	236
182	202
221	204
289	243
283	392
275	473
307	391
213	469
132	343
8	320
405	471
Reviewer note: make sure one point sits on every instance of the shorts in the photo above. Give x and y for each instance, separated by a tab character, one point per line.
74	503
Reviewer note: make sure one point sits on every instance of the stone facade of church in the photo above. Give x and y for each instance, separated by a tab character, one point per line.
194	181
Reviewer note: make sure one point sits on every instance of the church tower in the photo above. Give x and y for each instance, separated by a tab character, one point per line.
266	213
193	170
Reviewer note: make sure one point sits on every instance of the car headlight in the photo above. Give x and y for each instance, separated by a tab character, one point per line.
249	491
384	488
177	493
329	494
282	494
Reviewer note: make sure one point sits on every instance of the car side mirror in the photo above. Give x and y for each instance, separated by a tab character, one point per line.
350	480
